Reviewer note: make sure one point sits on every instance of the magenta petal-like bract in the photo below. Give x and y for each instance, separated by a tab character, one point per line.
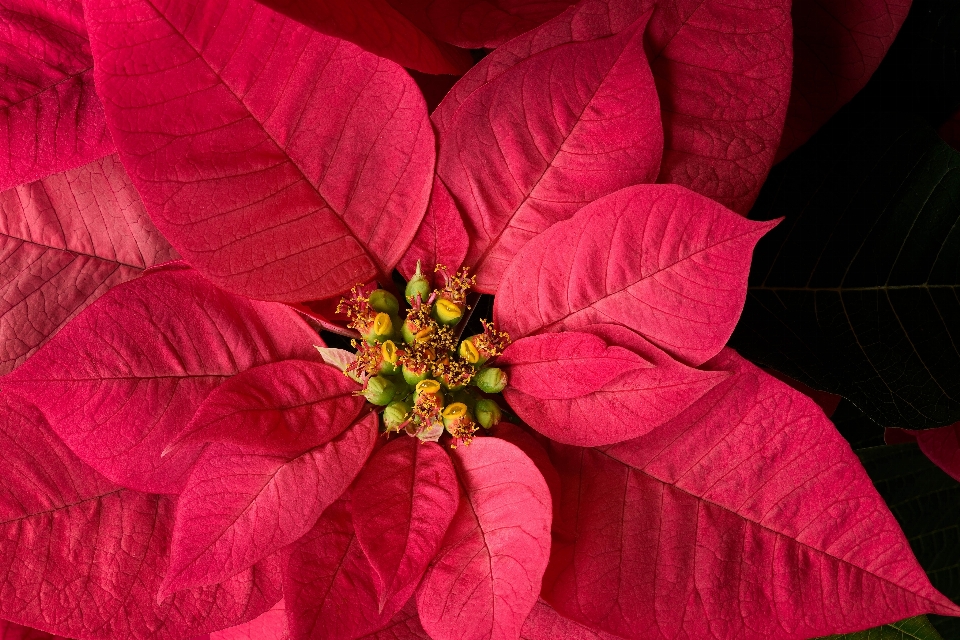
574	388
544	623
519	438
379	28
64	241
750	491
723	76
441	238
479	24
50	116
83	557
239	507
545	124
941	445
271	625
125	376
486	576
403	502
281	163
329	584
838	44
659	259
280	407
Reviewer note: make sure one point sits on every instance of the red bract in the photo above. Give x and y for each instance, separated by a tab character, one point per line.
779	508
255	181
66	239
837	46
941	445
50	117
287	165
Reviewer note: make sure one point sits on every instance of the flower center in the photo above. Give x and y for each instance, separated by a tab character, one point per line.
426	381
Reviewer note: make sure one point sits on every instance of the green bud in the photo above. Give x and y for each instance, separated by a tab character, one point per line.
446	312
395	414
488	413
491	380
385	302
379	391
412	376
418	285
455	414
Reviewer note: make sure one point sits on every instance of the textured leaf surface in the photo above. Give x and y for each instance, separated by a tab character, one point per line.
14	631
441	238
857	292
281	407
403	502
329	585
942	446
378	27
270	625
83	557
546	124
918	628
521	439
238	507
926	503
486	577
50	116
480	24
659	259
544	623
576	388
837	47
64	241
403	626
723	76
296	166
751	492
126	375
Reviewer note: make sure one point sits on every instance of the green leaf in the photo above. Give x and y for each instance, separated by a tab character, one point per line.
857	292
854	425
918	628
926	503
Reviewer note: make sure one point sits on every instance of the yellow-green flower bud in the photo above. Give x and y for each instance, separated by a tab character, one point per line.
379	391
446	312
488	413
455	413
380	329
413	375
418	285
389	355
385	302
395	414
491	380
470	353
428	386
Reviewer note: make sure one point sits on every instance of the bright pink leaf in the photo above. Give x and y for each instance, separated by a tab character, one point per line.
277	408
751	492
574	388
479	24
64	241
329	584
662	260
827	401
838	45
281	163
403	502
271	625
723	77
404	626
538	455
441	238
379	28
486	577
941	445
545	124
239	507
83	557
544	623
125	376
50	116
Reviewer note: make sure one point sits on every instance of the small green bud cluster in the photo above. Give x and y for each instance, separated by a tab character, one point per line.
411	364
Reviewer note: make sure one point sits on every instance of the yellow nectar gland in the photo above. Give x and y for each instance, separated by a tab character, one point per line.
428	386
469	352
382	325
388	351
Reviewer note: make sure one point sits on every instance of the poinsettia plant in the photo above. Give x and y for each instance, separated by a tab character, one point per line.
194	188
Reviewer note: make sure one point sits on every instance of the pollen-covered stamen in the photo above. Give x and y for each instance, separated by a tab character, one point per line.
357	308
459	423
454	373
368	362
455	287
427	406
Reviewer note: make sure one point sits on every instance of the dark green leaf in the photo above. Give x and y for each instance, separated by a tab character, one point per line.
926	503
918	628
856	292
854	425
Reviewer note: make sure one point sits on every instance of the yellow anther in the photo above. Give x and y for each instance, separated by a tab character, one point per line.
428	386
424	334
455	410
469	352
389	351
382	324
